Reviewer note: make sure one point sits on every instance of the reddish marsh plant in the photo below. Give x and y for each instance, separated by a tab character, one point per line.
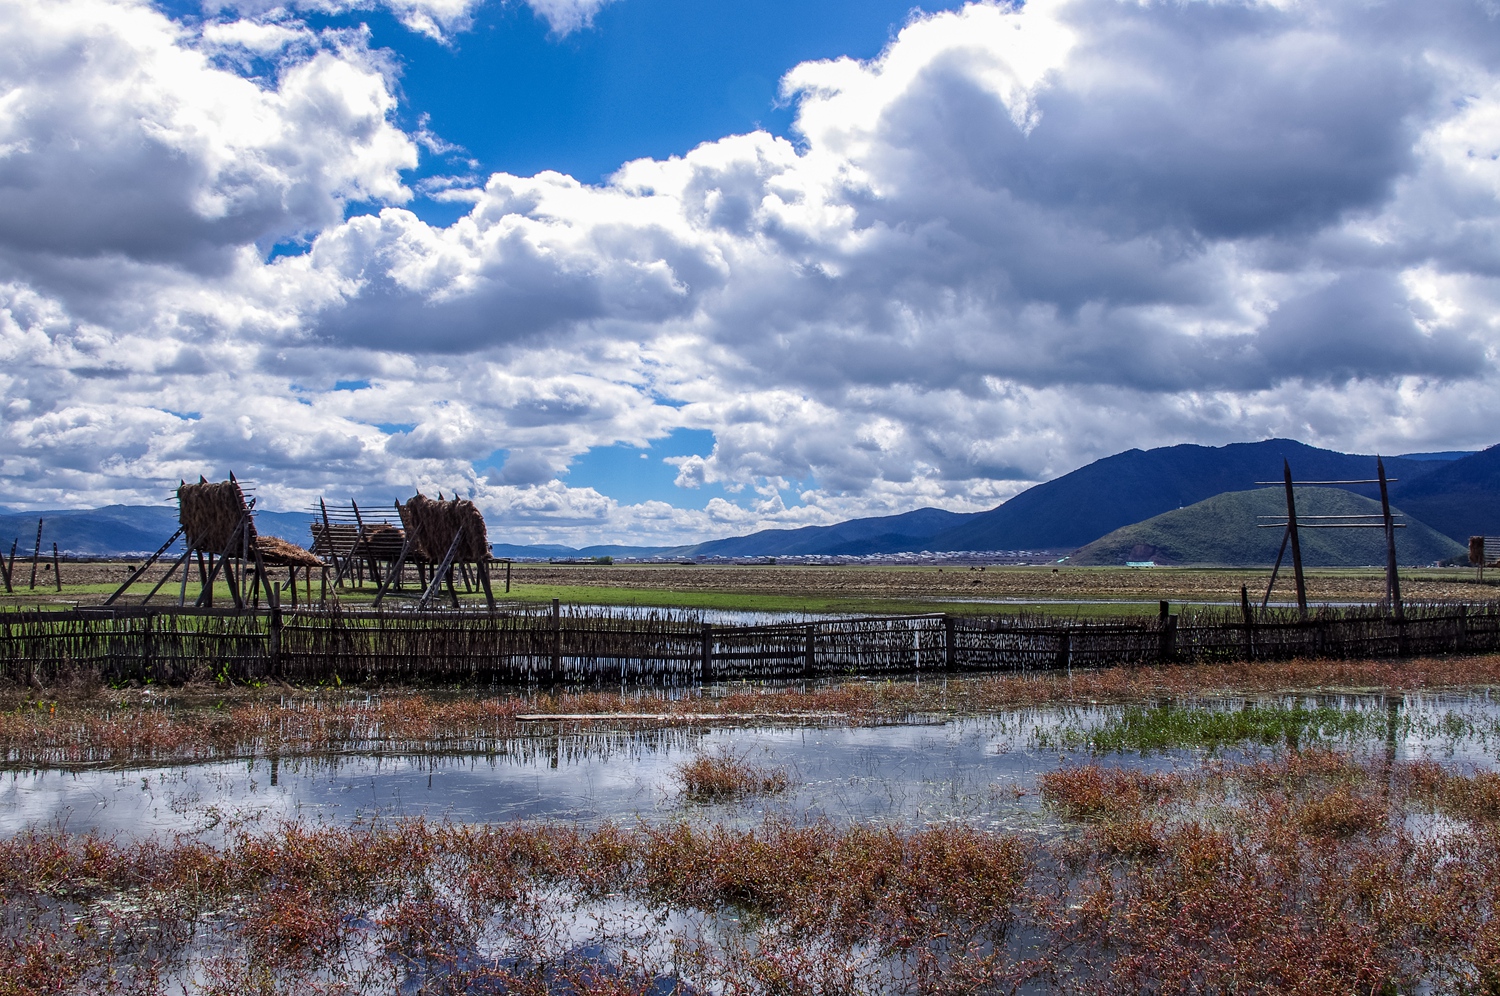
716	778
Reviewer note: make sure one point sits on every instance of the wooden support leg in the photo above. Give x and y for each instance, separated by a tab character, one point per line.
394	572
179	562
139	573
483	570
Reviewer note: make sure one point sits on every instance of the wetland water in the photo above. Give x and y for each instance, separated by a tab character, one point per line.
981	771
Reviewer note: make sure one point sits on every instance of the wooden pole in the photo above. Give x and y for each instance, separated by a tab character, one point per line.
8	568
36	554
1392	579
483	570
1291	528
507	574
556	640
1249	621
360	542
1285	535
706	653
56	568
205	591
333	554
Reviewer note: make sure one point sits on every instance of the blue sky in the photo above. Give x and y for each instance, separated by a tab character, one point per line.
653	272
651	78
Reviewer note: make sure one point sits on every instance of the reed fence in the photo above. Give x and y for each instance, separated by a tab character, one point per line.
576	646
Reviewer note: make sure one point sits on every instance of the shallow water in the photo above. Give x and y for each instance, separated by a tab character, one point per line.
982	771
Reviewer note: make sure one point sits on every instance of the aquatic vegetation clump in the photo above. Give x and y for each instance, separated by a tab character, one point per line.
716	778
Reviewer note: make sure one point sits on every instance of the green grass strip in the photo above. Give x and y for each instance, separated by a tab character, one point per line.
1166	727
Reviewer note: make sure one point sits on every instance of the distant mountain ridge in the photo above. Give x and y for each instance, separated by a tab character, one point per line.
1080	507
1224	530
1458	494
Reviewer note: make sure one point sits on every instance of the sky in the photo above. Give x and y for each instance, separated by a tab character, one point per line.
658	271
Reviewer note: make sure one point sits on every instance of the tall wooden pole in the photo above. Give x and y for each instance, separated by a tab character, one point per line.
36	553
333	554
1392	579
1291	526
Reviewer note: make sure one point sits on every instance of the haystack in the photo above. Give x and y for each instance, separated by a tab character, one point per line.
432	524
210	513
278	552
384	541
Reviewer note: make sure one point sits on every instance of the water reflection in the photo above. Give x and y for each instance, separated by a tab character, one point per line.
982	771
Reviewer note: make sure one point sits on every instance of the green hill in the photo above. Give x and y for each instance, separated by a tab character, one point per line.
1222	530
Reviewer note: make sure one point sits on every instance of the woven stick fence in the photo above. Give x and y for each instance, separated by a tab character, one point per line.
580	647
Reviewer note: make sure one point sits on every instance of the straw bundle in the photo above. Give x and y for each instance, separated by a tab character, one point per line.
384	541
431	525
279	553
210	513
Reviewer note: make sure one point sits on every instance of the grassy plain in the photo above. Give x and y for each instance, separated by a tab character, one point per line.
876	588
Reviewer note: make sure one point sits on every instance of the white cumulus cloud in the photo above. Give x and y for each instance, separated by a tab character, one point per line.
1019	239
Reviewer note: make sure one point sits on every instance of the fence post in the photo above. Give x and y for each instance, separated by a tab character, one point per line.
274	639
147	646
809	664
1249	623
158	668
1168	649
1461	640
706	651
556	668
950	642
1065	649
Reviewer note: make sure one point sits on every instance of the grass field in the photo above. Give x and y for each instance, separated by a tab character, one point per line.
818	589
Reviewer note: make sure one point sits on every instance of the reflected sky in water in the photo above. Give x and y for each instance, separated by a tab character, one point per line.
982	771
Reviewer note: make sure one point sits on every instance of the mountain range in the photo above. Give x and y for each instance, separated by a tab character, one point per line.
1225	529
1458	494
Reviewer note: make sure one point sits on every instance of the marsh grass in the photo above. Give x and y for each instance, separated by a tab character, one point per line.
1293	874
721	777
97	725
1168	727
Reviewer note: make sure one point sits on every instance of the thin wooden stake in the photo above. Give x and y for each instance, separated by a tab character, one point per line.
56	568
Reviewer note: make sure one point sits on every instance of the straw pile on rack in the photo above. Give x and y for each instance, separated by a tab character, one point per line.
432	523
277	552
384	541
210	513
